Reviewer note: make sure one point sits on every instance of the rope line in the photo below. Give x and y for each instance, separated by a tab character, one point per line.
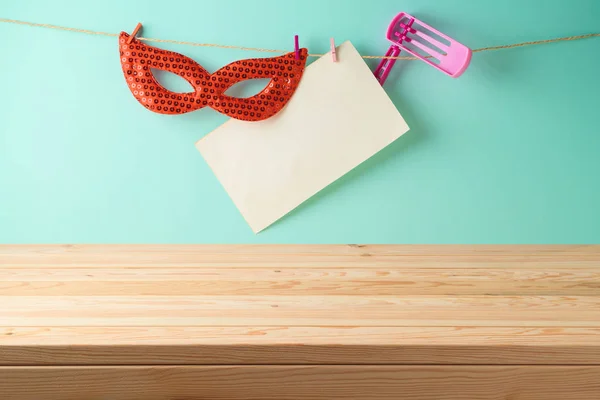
257	49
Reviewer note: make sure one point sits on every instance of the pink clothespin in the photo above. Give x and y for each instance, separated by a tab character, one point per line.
135	32
296	47
333	52
425	43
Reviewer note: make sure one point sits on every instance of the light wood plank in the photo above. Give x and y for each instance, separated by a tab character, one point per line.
315	304
294	256
298	345
175	281
307	382
523	311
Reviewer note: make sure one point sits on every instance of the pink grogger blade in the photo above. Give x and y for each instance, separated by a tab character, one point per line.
425	43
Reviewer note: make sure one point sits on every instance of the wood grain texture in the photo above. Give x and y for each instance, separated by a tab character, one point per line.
523	311
302	382
295	256
380	281
299	322
298	345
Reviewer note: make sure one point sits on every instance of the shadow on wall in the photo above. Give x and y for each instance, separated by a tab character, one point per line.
415	137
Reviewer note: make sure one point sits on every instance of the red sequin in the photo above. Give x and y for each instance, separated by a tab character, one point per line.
138	58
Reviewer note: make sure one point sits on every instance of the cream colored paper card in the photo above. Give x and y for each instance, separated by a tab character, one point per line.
339	117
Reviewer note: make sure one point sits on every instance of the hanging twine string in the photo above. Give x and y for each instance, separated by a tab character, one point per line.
222	46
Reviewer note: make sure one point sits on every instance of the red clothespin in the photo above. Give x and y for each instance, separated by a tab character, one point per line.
296	47
333	52
135	32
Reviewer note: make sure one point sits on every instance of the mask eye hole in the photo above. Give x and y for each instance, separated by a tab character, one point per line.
171	81
248	88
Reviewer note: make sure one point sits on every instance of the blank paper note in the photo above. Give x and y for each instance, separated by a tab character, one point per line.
339	117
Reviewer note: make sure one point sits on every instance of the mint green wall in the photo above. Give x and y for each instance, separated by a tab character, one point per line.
508	153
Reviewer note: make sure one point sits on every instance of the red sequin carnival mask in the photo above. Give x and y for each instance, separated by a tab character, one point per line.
138	58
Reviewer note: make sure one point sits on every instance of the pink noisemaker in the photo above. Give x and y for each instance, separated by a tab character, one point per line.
425	43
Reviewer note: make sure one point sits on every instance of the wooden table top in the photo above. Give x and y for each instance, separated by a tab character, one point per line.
299	304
